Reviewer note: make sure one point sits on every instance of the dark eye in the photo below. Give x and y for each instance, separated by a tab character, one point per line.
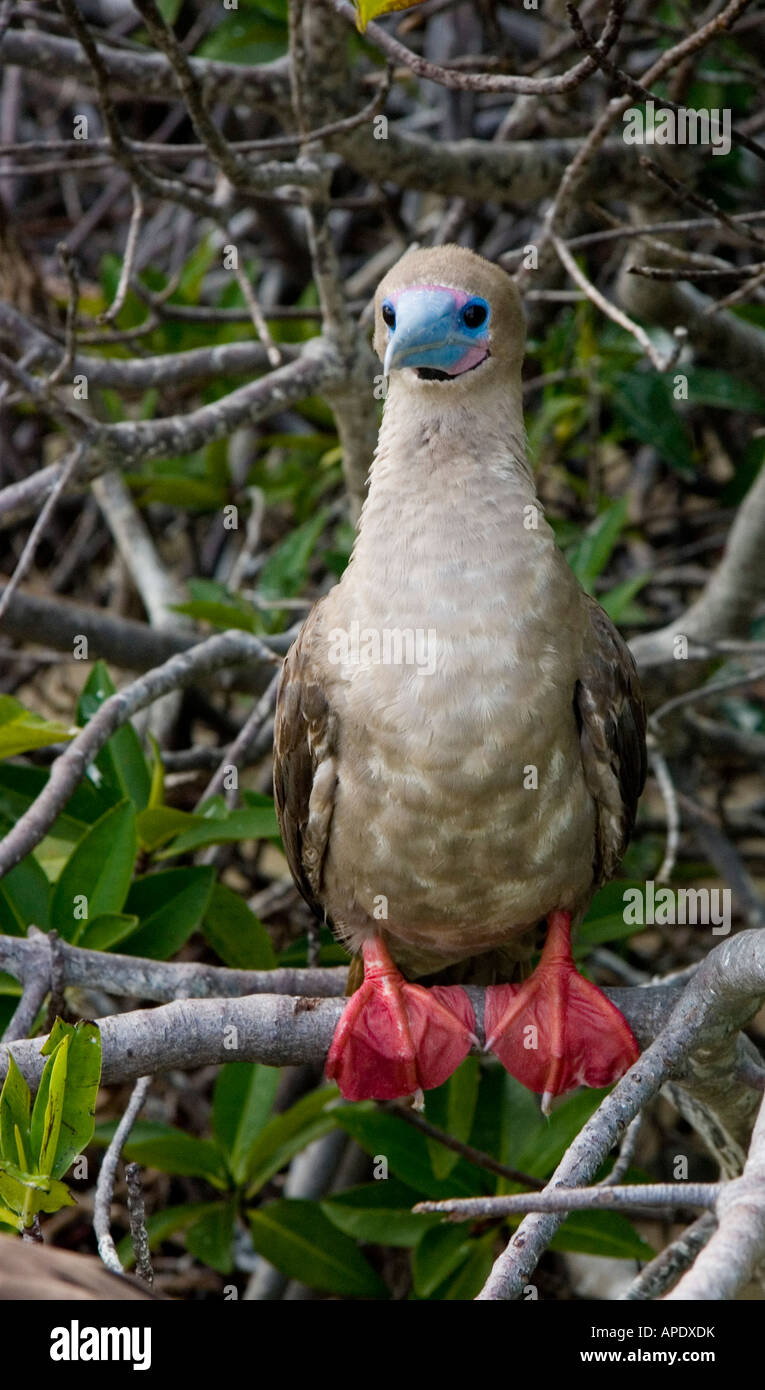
389	314
474	314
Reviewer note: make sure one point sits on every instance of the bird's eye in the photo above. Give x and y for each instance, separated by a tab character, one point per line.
389	314
474	314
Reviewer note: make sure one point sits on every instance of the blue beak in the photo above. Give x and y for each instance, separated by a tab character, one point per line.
429	331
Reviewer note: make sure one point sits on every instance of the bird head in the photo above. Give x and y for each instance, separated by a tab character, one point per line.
449	321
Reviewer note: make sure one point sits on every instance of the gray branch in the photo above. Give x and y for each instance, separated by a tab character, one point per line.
722	996
71	765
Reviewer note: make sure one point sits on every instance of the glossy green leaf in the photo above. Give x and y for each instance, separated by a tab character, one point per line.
80	1088
406	1151
235	933
373	9
21	730
645	401
617	601
170	906
173	1151
709	386
15	1107
99	869
437	1256
469	1278
285	1135
589	558
48	1110
24	894
156	825
286	568
243	1099
451	1107
211	1237
298	1239
106	931
27	1193
379	1213
20	785
601	1233
248	823
121	761
157	770
545	1147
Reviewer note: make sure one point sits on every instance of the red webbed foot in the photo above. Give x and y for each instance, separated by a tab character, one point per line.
395	1038
557	1030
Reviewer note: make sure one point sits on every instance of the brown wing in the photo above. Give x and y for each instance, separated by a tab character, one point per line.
305	769
611	715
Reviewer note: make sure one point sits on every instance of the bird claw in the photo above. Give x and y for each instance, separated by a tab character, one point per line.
395	1038
557	1030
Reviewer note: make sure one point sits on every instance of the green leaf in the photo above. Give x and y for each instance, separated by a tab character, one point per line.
24	894
15	1103
471	1276
170	906
49	1109
248	823
437	1256
121	762
106	931
157	788
451	1107
590	557
100	869
235	933
211	1238
243	1099
21	730
158	824
284	572
161	1225
601	1233
617	601
379	1213
545	1147
406	1150
80	1091
372	9
21	785
26	1193
212	602
707	386
605	916
298	1239
177	490
645	401
285	1135
173	1151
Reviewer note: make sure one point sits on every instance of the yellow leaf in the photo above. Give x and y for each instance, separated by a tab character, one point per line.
370	9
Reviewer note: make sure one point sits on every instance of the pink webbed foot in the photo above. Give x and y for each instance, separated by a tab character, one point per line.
557	1030
395	1038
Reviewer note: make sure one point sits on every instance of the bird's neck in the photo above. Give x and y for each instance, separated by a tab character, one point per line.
451	498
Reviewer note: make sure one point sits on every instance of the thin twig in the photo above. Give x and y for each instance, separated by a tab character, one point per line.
137	1218
476	1156
105	1183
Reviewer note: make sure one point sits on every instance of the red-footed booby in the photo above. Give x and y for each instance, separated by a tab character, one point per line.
460	735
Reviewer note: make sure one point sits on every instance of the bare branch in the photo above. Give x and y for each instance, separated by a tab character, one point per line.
70	766
107	1175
